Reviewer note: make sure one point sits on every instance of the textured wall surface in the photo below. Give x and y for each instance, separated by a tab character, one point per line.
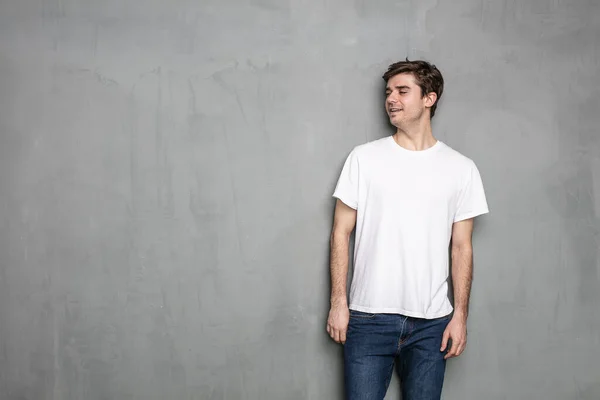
166	170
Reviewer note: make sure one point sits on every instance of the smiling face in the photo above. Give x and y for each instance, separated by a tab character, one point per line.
404	102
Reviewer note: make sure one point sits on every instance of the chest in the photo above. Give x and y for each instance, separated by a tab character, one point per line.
414	184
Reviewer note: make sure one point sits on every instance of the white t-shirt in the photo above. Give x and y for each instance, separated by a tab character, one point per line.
406	203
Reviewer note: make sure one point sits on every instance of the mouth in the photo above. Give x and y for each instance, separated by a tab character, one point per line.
394	110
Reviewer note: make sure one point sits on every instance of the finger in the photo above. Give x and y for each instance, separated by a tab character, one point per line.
444	340
343	336
461	348
332	332
452	352
455	352
336	335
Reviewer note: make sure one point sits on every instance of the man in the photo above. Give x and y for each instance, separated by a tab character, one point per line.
409	196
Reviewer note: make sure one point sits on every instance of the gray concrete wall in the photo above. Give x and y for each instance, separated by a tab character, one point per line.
166	170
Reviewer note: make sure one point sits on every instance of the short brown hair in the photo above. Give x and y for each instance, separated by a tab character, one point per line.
427	76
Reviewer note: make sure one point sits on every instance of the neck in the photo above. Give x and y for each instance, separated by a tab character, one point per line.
415	137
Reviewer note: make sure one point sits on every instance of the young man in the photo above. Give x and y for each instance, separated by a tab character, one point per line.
409	196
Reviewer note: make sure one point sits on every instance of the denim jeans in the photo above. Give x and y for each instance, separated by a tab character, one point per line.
375	341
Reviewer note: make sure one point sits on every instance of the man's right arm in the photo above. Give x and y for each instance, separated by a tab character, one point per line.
344	221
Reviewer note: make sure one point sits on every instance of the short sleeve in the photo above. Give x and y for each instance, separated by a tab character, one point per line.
471	200
347	186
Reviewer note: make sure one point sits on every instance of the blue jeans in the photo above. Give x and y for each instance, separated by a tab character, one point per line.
375	341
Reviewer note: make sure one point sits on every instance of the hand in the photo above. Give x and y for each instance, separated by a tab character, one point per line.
337	323
456	330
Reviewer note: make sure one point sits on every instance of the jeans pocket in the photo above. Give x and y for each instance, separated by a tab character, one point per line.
360	314
446	317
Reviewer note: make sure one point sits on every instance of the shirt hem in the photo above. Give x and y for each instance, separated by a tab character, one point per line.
394	310
346	201
470	215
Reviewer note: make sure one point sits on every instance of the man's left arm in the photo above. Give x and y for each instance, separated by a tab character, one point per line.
462	276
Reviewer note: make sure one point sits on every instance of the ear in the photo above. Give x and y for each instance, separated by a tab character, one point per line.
430	99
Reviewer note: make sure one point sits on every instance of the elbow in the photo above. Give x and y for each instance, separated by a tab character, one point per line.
462	248
338	235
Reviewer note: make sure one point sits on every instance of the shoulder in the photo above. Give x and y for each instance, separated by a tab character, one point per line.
454	158
370	149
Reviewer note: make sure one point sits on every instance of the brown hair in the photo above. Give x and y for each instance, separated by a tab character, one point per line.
427	76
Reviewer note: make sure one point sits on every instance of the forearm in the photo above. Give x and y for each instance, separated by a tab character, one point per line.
462	276
339	268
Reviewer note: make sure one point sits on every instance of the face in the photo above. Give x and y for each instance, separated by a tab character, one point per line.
403	100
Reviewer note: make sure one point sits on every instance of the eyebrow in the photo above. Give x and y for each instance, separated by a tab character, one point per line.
397	87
